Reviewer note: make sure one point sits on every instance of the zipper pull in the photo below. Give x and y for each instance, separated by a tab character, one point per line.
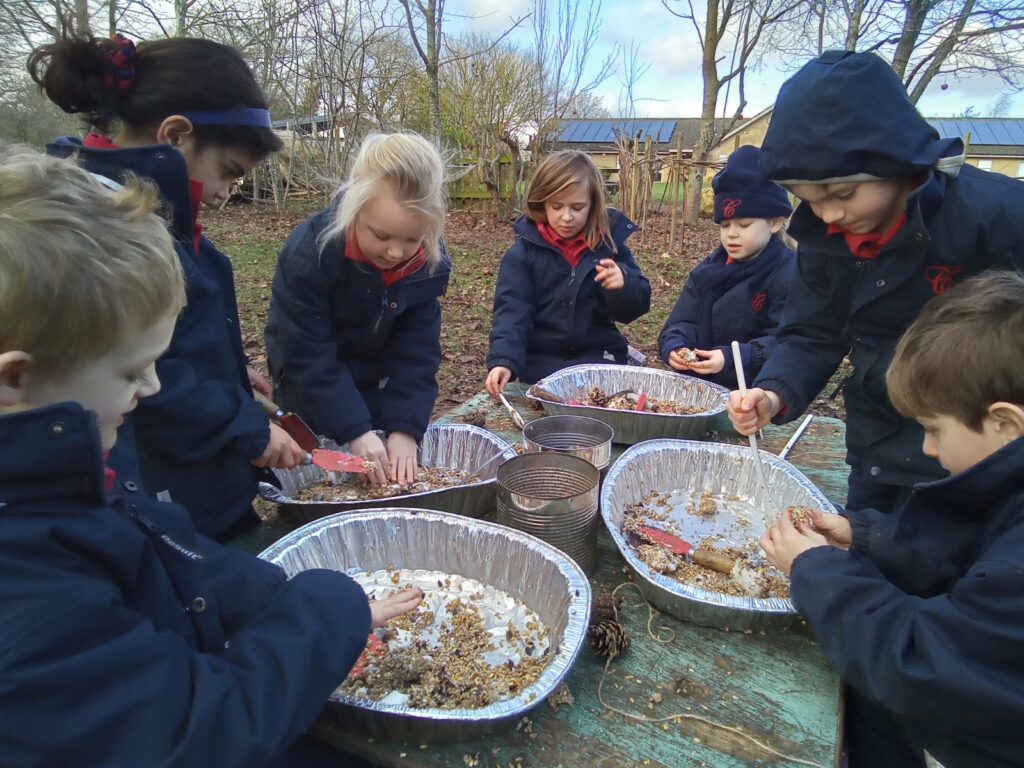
572	276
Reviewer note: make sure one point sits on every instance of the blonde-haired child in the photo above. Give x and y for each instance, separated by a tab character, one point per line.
567	279
129	639
353	336
737	293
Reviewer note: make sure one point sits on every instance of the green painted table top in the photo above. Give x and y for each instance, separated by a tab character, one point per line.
775	687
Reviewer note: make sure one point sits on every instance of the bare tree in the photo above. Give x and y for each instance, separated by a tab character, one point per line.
924	39
733	30
564	36
427	17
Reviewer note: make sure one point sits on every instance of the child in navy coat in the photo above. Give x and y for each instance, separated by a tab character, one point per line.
354	332
202	442
128	639
890	218
566	281
923	612
736	293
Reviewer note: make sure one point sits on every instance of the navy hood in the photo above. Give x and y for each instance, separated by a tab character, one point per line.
847	116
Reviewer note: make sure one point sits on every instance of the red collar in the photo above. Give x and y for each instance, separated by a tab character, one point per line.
868	245
109	476
571	250
392	275
195	187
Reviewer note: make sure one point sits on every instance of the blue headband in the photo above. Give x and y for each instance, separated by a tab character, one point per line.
249	116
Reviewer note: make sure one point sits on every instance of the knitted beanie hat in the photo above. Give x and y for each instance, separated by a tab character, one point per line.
743	192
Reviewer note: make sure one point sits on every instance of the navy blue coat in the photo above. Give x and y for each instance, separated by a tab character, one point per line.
746	307
839	304
925	614
196	437
845	114
335	333
126	639
548	315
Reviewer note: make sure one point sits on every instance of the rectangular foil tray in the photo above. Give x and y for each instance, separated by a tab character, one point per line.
461	446
530	570
630	426
667	465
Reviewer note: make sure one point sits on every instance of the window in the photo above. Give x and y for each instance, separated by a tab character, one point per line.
985	165
1020	170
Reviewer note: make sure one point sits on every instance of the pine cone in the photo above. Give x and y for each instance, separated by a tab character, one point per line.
608	638
478	417
603	607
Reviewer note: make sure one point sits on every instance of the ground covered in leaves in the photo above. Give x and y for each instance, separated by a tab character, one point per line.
252	234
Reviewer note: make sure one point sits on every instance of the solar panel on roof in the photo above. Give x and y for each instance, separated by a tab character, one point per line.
991	131
604	131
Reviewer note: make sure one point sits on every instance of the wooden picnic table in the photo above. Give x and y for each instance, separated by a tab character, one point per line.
773	686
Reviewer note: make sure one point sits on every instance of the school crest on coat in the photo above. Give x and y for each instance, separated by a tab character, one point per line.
941	277
758	301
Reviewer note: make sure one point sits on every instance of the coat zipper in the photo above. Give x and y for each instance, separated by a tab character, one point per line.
380	317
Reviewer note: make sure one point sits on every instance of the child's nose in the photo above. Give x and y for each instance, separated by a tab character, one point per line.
830	214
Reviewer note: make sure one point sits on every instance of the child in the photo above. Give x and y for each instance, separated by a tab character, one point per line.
127	638
924	615
202	441
354	333
549	313
890	217
739	290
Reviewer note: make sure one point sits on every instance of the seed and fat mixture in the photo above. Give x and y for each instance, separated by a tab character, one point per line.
598	397
466	646
354	489
716	562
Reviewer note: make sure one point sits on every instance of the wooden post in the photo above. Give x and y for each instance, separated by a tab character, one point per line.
674	177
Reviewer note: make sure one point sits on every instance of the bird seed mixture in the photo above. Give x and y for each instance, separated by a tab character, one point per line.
354	489
711	564
466	646
622	402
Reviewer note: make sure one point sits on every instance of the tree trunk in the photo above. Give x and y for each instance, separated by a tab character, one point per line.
705	138
82	17
913	23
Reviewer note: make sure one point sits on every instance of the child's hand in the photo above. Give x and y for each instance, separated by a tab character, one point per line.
748	414
835	528
281	452
497	378
371	447
402	465
385	609
609	275
677	359
713	362
258	383
783	542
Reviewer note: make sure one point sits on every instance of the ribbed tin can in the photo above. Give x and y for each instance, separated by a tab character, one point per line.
554	497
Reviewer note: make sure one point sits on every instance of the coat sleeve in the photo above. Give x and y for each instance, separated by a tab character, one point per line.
515	305
917	655
809	343
302	297
413	352
129	694
680	330
200	417
633	300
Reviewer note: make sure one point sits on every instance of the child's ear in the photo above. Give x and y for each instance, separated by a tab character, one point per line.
174	130
1008	420
13	375
776	224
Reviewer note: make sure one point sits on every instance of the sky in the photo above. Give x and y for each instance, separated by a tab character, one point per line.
672	84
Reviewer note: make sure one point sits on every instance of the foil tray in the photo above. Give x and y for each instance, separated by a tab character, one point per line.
631	427
691	467
461	446
538	574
